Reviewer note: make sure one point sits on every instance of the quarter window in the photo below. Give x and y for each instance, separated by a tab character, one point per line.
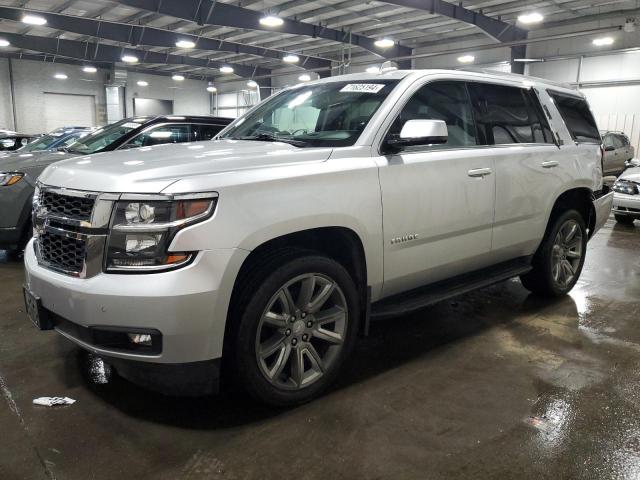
447	101
577	117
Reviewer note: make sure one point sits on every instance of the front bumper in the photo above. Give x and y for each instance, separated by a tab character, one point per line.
602	206
624	204
187	306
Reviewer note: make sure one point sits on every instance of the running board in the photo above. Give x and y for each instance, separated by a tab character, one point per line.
413	300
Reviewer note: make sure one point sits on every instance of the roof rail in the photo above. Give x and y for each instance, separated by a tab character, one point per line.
517	76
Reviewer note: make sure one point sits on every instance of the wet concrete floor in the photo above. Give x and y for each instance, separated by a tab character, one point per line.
496	384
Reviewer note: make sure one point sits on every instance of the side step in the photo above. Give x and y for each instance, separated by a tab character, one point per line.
413	300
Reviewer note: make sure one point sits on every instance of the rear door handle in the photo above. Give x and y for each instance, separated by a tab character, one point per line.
550	164
479	172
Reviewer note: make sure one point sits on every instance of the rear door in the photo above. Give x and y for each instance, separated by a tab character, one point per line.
529	166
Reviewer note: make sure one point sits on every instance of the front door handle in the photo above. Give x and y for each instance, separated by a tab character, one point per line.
550	164
479	172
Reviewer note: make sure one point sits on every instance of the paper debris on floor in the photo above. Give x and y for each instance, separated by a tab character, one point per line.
53	401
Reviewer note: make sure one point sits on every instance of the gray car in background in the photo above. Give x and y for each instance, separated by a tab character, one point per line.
617	151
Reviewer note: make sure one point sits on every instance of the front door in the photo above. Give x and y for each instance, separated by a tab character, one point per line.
437	200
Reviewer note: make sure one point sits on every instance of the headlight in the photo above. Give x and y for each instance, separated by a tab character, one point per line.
142	228
626	187
10	178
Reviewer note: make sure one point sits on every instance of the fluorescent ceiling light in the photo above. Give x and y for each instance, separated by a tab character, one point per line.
178	78
185	44
142	83
291	58
4	43
33	19
384	43
226	69
528	60
89	69
533	17
466	59
601	42
271	21
211	89
305	77
61	76
252	84
129	59
373	69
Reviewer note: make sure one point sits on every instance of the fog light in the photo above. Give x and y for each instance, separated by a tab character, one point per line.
140	339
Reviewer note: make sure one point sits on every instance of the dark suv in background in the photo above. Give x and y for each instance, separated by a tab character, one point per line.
18	174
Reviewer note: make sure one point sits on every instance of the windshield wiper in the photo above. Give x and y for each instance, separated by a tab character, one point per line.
269	137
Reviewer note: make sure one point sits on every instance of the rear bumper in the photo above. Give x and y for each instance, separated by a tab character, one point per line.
626	205
602	206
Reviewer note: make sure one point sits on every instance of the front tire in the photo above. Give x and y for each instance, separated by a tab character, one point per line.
296	326
559	260
624	219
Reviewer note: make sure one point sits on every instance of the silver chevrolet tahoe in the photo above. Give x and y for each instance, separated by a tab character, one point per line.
262	255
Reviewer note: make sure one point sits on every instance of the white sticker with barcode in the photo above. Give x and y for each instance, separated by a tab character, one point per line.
363	87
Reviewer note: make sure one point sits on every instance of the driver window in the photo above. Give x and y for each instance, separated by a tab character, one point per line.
447	101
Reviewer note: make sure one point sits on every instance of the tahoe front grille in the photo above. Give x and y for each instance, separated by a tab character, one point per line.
62	252
70	228
56	204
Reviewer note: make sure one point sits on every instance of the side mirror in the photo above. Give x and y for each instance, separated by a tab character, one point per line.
634	162
419	132
609	148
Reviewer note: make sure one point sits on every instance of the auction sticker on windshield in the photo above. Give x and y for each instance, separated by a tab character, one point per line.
363	87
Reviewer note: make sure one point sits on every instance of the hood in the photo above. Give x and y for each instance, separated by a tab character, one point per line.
32	163
152	169
632	174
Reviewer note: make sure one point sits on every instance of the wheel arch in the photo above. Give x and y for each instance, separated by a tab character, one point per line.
342	244
578	198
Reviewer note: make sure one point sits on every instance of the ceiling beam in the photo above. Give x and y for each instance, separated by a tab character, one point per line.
102	53
155	37
496	29
210	12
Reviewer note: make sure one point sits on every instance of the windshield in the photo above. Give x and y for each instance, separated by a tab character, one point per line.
41	143
325	115
103	137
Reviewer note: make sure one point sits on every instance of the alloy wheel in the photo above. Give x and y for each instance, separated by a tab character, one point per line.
301	331
566	253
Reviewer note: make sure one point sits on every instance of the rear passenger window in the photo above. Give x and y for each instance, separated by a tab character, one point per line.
577	117
508	115
447	101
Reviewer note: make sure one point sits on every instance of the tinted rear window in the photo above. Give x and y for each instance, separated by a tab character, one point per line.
577	117
508	115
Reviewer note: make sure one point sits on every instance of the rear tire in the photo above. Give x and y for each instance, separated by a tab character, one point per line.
295	325
624	219
559	260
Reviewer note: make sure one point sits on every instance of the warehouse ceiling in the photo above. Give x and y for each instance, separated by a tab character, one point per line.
321	33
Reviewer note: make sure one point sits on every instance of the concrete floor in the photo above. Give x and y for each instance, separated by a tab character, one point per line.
498	384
